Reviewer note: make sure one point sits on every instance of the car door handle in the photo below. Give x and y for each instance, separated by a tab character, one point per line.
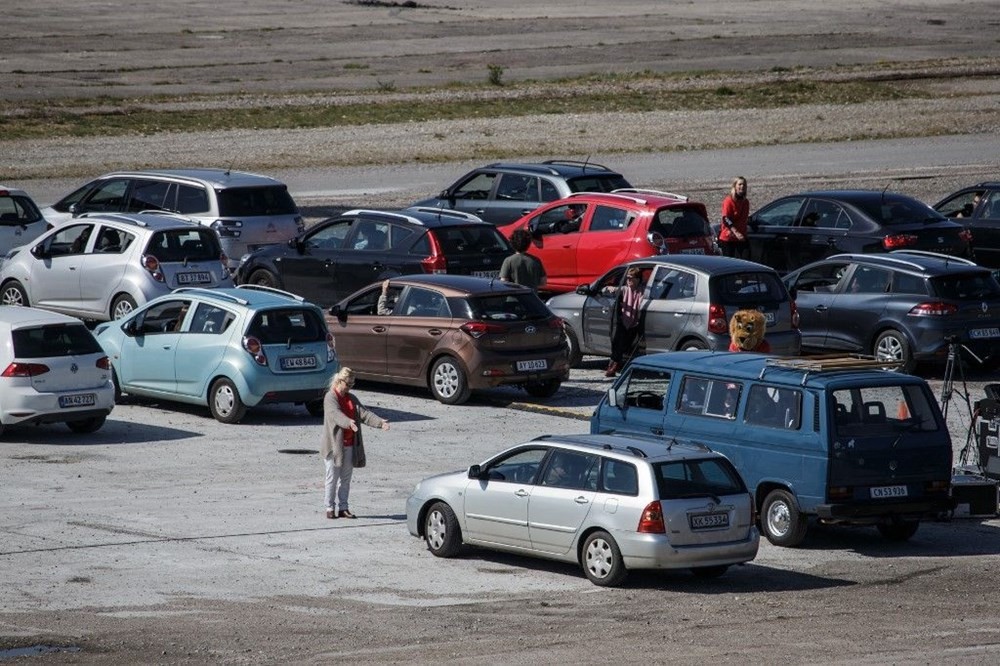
821	308
378	329
605	310
434	331
526	211
480	211
582	500
521	492
656	431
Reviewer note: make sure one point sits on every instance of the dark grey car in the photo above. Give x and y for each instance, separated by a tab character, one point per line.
689	300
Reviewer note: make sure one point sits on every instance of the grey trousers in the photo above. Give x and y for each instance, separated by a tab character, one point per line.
338	479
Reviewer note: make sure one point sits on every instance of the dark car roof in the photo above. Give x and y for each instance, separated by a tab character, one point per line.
425	216
706	263
564	168
915	262
460	284
854	196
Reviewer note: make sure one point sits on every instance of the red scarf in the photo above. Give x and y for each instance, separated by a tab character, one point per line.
347	406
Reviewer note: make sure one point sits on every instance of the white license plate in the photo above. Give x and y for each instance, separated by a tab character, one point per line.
527	366
298	362
78	400
769	318
193	278
979	333
694	250
707	521
486	274
883	492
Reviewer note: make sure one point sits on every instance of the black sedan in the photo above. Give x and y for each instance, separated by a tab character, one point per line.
978	208
795	230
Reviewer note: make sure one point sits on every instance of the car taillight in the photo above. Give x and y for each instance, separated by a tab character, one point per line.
556	322
435	261
152	264
224	260
331	348
717	321
795	314
839	493
651	521
932	310
896	241
16	369
478	329
966	235
104	363
256	350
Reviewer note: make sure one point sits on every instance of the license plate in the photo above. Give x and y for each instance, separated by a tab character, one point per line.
694	250
979	333
298	362
527	366
193	278
78	400
707	521
883	492
486	274
769	318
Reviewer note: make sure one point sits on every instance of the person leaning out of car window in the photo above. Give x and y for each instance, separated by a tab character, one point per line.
735	213
386	301
522	268
625	324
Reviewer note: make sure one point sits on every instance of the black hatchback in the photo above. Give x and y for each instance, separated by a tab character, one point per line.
903	306
795	230
338	256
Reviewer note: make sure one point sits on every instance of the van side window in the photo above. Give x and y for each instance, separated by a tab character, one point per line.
709	397
644	389
774	407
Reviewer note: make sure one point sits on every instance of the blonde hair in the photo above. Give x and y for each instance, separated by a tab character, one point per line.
732	189
345	375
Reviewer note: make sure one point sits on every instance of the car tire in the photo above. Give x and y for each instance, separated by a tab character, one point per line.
315	408
710	572
573	344
441	531
84	426
448	382
899	530
891	345
545	388
225	403
781	521
693	345
14	294
122	306
602	560
263	278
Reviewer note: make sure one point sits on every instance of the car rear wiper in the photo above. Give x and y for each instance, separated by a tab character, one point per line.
712	496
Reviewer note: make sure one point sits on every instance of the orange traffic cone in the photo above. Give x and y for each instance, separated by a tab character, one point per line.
902	412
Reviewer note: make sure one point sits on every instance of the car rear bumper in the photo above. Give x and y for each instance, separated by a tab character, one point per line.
34	407
268	387
654	551
488	370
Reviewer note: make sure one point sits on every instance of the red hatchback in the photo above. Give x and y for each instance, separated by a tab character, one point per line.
582	236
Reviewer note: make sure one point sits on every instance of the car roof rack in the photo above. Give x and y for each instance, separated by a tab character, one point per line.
232	298
271	290
936	255
447	212
615	194
580	163
659	193
117	217
829	363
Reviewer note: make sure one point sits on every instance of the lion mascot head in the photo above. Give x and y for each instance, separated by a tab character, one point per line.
746	332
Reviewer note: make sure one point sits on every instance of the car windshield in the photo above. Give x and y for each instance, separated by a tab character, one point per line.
895	210
256	201
471	240
518	306
53	340
287	325
750	288
711	477
195	244
966	285
608	182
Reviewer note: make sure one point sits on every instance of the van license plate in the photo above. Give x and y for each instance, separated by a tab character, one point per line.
528	366
707	521
486	274
78	400
194	278
298	362
884	492
980	333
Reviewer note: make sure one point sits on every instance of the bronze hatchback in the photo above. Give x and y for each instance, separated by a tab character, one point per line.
453	334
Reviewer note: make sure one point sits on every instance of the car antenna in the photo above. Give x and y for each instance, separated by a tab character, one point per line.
883	192
230	167
586	162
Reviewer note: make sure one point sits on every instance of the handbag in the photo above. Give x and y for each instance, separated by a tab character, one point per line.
360	460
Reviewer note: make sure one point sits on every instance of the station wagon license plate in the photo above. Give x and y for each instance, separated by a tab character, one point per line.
528	366
980	333
194	278
707	521
298	362
884	492
486	274
78	400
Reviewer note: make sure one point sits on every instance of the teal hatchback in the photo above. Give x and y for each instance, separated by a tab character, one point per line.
228	348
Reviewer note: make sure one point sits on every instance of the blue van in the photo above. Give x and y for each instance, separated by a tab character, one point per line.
839	439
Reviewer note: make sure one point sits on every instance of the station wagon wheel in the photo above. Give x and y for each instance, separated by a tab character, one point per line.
14	294
122	306
899	530
891	345
545	388
602	560
263	277
781	521
441	531
84	426
225	403
575	355
448	382
710	572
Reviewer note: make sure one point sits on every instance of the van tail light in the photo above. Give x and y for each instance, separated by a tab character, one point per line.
896	241
717	321
152	264
933	309
255	349
557	323
103	363
478	329
940	487
435	261
651	521
331	348
795	314
839	493
16	369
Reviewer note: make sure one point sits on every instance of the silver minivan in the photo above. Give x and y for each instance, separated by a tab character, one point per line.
608	502
248	211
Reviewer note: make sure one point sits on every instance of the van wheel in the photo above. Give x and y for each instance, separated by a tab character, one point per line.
448	382
899	530
225	403
602	560
575	355
891	345
781	521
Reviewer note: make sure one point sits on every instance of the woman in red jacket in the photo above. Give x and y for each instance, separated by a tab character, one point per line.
735	212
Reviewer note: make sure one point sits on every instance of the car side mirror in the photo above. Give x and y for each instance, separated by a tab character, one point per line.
74	209
38	252
475	472
339	312
130	328
299	245
585	290
612	397
449	196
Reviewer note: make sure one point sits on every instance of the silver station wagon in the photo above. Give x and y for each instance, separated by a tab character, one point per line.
609	502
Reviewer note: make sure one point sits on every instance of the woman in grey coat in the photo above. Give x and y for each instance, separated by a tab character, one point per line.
342	415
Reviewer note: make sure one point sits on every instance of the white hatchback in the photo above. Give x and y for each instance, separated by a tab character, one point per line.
52	370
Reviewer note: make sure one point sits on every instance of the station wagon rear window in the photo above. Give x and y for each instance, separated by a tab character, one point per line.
256	201
711	477
967	285
53	340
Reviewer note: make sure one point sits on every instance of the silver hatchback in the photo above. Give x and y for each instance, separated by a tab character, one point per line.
609	502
